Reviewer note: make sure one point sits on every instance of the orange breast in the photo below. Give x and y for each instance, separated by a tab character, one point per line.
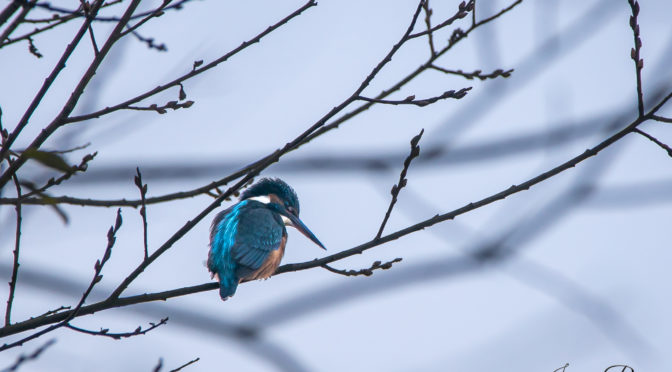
271	264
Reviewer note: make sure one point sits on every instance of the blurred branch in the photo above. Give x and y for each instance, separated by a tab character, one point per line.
316	130
558	135
114	301
25	358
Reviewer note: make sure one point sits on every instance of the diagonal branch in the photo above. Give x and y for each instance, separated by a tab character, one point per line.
654	140
60	65
195	71
71	314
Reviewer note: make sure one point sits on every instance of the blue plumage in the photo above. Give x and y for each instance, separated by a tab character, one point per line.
247	240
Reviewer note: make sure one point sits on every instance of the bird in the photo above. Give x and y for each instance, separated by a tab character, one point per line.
247	240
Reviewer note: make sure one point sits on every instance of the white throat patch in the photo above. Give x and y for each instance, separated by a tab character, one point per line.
262	199
287	221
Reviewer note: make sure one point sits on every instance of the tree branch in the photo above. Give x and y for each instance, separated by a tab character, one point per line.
635	55
118	336
415	151
17	245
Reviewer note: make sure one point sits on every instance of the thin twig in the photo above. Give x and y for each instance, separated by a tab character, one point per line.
634	54
82	167
661	119
86	9
463	11
415	151
174	105
17	245
185	365
366	272
428	23
143	208
410	100
149	41
118	336
476	74
654	140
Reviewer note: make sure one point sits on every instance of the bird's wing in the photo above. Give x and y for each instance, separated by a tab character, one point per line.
259	232
222	236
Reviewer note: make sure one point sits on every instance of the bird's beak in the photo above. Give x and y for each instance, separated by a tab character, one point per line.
296	222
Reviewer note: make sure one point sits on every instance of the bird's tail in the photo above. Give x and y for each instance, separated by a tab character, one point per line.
227	286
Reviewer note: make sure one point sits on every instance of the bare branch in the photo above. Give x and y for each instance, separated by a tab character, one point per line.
634	54
415	151
410	100
661	119
149	41
143	208
82	167
17	245
463	11
476	74
174	105
118	336
185	365
366	272
428	22
654	140
195	71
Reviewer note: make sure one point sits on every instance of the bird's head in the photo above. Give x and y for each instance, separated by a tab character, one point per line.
281	198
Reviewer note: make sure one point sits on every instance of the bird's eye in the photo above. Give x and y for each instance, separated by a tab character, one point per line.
291	210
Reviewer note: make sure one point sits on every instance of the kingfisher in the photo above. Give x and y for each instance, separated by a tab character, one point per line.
247	240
